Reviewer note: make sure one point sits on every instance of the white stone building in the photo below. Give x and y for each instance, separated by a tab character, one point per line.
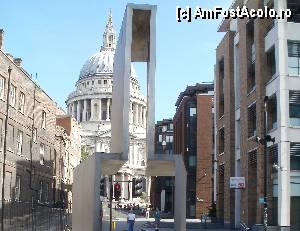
91	104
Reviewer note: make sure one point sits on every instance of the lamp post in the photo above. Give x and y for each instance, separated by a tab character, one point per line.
4	148
266	138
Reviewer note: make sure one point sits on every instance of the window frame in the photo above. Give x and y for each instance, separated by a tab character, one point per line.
19	143
2	88
21	102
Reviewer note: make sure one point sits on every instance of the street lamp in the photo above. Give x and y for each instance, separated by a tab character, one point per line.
266	138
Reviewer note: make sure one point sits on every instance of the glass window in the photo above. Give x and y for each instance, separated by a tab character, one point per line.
47	192
41	191
12	95
192	210
169	139
99	81
2	87
294	6
252	120
193	111
192	161
34	138
294	58
271	62
294	105
42	154
18	188
43	119
21	102
160	138
171	127
19	142
105	81
295	156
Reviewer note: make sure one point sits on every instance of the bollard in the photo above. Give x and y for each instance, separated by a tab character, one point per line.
113	225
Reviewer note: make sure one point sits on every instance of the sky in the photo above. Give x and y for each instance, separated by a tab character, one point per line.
54	39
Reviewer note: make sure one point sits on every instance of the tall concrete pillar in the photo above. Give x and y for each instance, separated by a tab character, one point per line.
123	185
100	109
73	109
78	111
145	116
284	146
130	113
92	109
140	114
84	112
136	115
107	109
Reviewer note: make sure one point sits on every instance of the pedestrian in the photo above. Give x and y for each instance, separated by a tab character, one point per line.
148	211
130	220
157	218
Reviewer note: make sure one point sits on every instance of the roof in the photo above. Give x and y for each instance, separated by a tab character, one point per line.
199	88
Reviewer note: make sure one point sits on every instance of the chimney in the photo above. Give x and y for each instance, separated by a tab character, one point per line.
1	39
18	61
10	56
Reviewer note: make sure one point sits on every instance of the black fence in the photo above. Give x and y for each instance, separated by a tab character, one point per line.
28	216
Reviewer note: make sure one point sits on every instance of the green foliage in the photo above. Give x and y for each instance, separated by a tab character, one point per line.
84	153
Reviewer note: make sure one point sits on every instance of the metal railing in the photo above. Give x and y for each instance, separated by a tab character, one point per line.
27	216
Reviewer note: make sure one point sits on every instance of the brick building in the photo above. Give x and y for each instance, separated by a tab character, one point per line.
193	138
258	58
31	153
68	156
162	188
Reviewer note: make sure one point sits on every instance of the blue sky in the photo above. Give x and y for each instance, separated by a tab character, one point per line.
54	38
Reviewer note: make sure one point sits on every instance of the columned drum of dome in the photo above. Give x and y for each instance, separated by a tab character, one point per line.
91	104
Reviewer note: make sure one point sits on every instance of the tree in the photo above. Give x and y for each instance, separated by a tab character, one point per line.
84	153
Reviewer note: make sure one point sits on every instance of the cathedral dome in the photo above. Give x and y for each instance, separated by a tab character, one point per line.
98	64
101	63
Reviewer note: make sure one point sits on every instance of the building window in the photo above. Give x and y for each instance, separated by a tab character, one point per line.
252	120
99	81
42	154
92	82
251	54
221	87
271	63
169	139
192	161
294	6
18	188
294	58
41	192
221	140
11	137
160	138
2	87
105	81
12	95
46	192
295	156
171	127
272	112
34	135
251	77
43	119
21	102
19	142
294	105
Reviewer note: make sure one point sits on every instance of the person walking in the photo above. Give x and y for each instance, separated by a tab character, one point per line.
130	220
157	218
